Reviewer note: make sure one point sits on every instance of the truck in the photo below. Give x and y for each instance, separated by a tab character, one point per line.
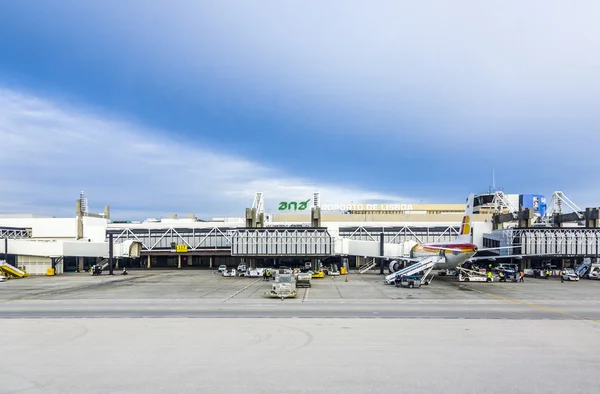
284	286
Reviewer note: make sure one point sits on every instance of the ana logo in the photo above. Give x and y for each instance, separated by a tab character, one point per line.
296	206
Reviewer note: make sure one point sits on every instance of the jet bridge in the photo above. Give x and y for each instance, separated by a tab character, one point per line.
310	242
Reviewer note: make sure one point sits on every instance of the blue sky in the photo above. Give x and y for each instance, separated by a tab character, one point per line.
190	107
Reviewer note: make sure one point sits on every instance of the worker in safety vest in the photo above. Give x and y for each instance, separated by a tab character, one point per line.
489	276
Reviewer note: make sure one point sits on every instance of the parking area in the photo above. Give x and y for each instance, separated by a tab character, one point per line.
208	285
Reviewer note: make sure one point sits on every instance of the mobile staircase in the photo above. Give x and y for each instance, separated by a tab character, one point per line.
425	265
368	266
12	271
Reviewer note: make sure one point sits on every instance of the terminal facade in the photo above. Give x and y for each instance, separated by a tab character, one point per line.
303	231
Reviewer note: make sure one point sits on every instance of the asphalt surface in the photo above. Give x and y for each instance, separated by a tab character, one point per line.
180	332
298	356
202	294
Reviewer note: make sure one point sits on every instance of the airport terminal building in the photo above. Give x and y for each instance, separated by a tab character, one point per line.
300	231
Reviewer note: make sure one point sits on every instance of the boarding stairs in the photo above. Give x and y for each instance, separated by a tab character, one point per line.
583	268
368	266
12	271
425	265
104	264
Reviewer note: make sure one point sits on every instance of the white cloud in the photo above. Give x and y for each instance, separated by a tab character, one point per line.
473	65
50	151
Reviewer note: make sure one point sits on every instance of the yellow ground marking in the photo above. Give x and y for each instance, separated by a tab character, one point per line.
543	308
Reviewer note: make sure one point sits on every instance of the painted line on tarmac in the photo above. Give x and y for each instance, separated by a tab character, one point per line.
543	308
305	297
239	291
373	286
88	286
337	288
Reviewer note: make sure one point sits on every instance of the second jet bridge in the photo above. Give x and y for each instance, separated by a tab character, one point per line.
309	242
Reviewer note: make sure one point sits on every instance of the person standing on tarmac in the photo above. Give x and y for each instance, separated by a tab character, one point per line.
489	276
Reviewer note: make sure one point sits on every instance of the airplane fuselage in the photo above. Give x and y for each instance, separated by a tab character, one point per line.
459	253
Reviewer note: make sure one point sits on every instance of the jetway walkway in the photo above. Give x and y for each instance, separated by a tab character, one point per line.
12	271
425	265
373	249
14	233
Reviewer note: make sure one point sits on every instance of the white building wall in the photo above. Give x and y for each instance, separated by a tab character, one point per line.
54	228
480	228
44	227
94	229
36	265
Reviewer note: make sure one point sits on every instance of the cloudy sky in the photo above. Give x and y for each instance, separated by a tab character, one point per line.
190	107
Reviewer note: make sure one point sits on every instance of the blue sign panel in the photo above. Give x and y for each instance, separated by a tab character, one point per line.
535	202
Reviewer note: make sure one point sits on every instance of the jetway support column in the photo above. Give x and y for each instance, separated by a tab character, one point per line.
381	252
79	264
149	264
110	254
592	217
210	262
526	219
178	261
315	217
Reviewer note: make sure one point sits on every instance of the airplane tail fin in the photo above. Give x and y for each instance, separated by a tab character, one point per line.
466	225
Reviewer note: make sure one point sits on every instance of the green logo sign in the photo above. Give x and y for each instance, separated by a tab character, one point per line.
296	206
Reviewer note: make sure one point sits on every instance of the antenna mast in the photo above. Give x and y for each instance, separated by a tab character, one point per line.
84	203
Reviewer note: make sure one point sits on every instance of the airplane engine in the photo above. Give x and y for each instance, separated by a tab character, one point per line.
395	265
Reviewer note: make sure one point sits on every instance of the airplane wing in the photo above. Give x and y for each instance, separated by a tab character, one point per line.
479	250
510	256
390	258
498	248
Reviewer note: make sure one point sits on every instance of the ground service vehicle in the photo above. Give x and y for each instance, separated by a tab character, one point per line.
568	274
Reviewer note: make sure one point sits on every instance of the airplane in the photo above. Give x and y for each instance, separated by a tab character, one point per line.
455	253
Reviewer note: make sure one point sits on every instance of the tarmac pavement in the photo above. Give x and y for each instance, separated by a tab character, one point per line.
194	331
